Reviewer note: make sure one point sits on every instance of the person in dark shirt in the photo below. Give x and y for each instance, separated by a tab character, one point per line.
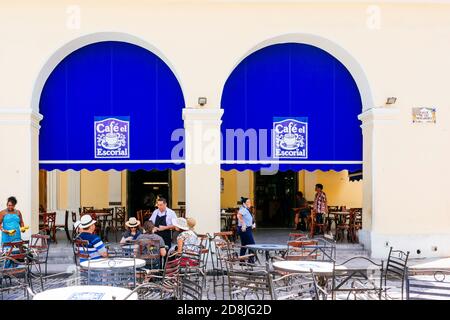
132	232
302	211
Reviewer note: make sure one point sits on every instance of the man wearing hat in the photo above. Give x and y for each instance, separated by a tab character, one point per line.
163	219
96	248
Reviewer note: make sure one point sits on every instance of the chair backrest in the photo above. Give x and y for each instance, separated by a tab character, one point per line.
317	249
120	214
16	249
396	263
297	236
172	268
80	250
49	219
297	250
225	235
434	284
40	244
74	216
396	266
248	284
149	250
191	289
358	278
87	209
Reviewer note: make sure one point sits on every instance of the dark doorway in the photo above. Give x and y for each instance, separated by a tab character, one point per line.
144	187
275	198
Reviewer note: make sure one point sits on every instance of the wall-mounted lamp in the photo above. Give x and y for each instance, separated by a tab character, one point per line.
202	101
391	100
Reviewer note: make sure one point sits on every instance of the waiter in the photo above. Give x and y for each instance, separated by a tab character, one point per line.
163	219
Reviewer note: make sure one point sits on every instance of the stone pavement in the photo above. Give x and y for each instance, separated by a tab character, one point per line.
61	260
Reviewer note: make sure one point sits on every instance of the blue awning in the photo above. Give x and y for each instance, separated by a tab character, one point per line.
302	105
111	105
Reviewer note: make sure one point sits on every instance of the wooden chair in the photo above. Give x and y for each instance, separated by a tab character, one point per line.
355	224
343	224
141	215
49	225
119	219
322	227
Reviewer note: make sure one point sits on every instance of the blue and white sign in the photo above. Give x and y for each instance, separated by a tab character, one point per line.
112	137
290	137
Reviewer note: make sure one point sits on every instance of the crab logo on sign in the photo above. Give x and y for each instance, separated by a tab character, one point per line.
290	138
112	137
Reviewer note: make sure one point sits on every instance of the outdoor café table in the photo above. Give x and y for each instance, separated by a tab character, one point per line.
105	263
322	269
267	248
86	293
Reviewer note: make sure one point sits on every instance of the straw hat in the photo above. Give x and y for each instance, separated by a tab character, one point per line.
76	224
132	223
181	223
86	221
191	223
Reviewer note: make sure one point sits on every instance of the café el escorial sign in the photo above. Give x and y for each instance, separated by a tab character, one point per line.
112	137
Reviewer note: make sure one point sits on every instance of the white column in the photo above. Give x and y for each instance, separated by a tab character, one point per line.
202	152
376	122
19	133
52	190
74	190
114	186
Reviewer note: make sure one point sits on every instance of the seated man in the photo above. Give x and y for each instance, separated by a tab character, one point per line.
302	212
149	234
96	247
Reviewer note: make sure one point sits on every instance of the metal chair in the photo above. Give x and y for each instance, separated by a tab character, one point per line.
49	225
13	275
247	284
80	250
432	284
161	287
357	277
396	268
40	245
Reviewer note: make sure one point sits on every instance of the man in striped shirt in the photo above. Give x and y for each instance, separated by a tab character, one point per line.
96	248
320	205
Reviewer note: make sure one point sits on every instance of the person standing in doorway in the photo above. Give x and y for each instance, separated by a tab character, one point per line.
11	222
163	219
245	222
320	206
